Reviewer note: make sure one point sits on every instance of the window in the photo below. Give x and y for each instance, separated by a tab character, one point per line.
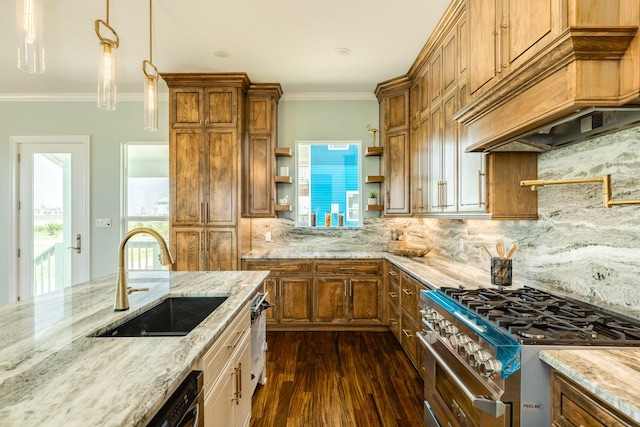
328	184
145	201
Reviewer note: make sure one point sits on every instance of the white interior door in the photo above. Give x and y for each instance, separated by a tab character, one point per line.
53	231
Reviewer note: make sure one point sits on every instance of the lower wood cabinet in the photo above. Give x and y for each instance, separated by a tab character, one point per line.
227	375
573	406
322	293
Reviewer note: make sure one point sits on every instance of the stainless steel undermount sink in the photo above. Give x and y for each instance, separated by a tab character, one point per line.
174	316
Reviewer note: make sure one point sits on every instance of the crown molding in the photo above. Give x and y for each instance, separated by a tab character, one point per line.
328	96
137	97
71	97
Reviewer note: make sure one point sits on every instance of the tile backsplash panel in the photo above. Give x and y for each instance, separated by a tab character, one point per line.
577	246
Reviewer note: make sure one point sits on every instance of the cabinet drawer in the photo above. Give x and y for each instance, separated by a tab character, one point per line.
393	275
409	295
394	321
394	295
573	406
408	330
224	347
348	267
279	267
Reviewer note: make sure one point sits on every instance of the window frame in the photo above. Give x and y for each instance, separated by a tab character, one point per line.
360	189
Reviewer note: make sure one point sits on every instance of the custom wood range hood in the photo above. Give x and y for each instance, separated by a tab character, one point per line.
584	82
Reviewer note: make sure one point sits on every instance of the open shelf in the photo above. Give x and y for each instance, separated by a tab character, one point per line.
375	207
284	180
283	208
371	179
283	152
373	151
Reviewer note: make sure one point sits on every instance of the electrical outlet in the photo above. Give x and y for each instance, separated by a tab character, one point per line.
103	223
267	236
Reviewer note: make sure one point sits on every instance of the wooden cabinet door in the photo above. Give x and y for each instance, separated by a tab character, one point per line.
483	55
186	171
221	107
271	287
397	173
396	110
329	299
185	107
221	249
435	158
259	188
506	199
394	320
242	392
419	167
408	340
222	177
187	248
364	300
295	300
449	189
218	410
529	25
471	169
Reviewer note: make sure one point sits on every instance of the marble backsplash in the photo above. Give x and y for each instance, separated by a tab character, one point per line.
577	246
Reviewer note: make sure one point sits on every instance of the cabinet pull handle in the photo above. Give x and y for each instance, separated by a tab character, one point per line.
206	216
235	344
393	322
393	295
480	201
444	194
201	220
236	392
407	291
347	268
407	333
392	273
239	381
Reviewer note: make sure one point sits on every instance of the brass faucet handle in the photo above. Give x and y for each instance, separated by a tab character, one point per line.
131	290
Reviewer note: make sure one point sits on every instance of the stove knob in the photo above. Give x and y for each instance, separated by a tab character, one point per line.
489	367
458	340
450	330
478	356
432	315
468	348
441	325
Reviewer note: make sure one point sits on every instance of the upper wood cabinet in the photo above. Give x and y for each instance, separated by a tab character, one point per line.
535	62
393	96
506	33
206	120
259	150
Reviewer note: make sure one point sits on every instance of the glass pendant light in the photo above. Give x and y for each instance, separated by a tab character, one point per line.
107	65
150	83
29	23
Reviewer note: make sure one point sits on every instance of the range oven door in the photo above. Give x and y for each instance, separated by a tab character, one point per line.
453	394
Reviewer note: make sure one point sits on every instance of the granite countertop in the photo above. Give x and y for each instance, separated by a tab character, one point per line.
612	375
52	373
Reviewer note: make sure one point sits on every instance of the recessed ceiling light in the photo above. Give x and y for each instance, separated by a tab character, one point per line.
340	51
221	53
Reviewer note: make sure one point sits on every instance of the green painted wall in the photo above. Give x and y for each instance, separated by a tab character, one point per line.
107	130
310	120
328	121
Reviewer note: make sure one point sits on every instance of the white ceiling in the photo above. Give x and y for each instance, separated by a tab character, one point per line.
285	41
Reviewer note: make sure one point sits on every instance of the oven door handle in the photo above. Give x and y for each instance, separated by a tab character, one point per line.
495	408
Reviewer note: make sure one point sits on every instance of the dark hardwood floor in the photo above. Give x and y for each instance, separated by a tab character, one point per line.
334	379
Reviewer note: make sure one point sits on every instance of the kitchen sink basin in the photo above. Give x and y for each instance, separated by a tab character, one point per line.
175	316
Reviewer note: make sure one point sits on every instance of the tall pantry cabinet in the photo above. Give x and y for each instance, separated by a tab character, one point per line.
207	125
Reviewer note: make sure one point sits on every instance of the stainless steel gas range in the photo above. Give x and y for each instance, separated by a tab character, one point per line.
482	345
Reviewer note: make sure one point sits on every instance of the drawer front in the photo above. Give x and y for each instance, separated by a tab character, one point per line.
573	406
409	295
348	267
279	267
393	275
408	340
223	348
394	295
394	321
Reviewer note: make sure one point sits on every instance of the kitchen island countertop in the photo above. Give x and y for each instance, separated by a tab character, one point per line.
612	375
53	373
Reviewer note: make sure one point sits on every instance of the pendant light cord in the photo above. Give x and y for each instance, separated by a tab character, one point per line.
150	31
